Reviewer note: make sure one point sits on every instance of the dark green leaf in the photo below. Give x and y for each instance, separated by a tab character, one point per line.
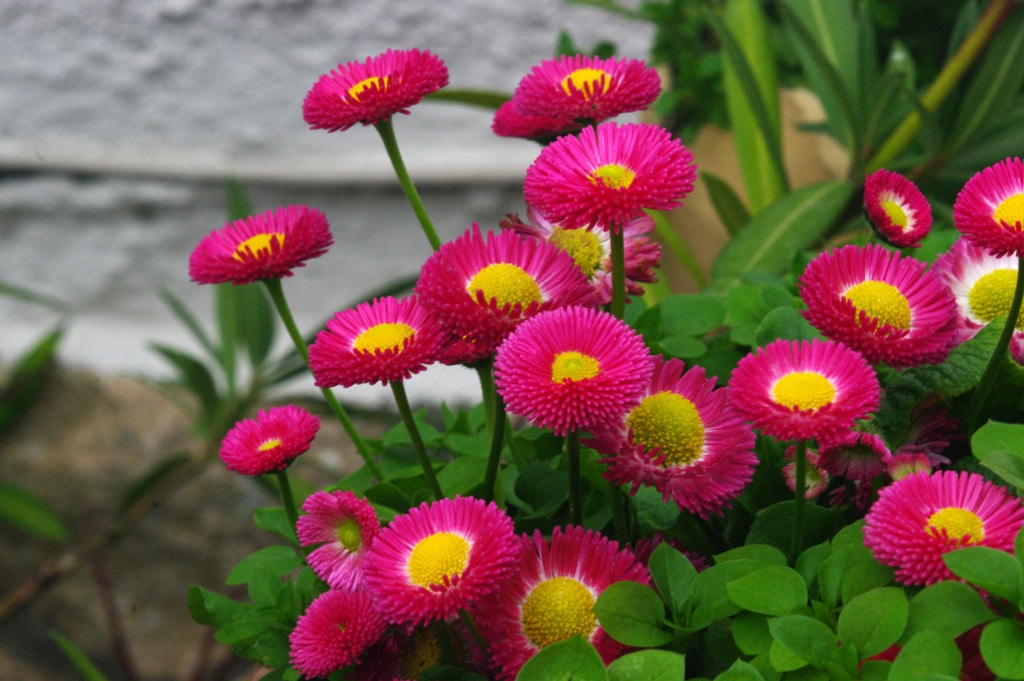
571	660
1002	647
808	638
26	377
947	608
728	205
648	665
924	654
873	621
24	511
673	575
995	571
461	475
774	525
750	633
633	614
1000	448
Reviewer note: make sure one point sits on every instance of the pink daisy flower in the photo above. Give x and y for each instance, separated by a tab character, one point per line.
334	631
854	455
405	654
551	596
373	91
590	249
921	517
684	439
609	174
439	558
587	89
989	210
815	477
345	526
480	288
896	209
572	369
884	305
509	121
804	389
268	443
378	342
982	285
931	431
265	246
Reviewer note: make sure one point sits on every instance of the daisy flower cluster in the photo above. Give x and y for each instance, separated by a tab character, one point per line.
596	446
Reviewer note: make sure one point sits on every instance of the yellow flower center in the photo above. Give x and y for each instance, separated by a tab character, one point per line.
384	337
670	422
958	523
273	443
991	295
587	76
805	390
582	244
574	366
613	176
1011	210
359	88
505	283
349	536
439	556
556	609
257	243
421	652
896	214
880	301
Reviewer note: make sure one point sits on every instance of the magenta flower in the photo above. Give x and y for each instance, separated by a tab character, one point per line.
334	631
344	526
373	91
896	209
854	455
270	442
265	246
989	210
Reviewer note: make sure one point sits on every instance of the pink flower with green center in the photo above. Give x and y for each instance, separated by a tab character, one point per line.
896	208
440	558
372	91
921	517
335	630
888	307
804	389
377	342
684	439
989	210
270	442
551	596
266	246
572	369
609	175
342	526
481	287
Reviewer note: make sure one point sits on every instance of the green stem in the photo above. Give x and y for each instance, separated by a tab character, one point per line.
485	371
618	503
287	499
988	378
798	497
618	248
444	642
497	444
572	449
668	236
276	292
472	628
387	135
402	400
947	79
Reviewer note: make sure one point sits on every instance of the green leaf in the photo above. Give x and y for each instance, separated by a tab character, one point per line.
728	205
652	513
672	574
740	671
793	223
763	553
461	475
648	665
1000	448
691	314
24	511
807	637
26	377
682	347
257	323
82	663
277	560
926	653
751	90
193	376
162	470
750	633
484	99
774	590
784	322
995	571
573	659
1002	648
633	614
774	525
274	519
947	608
212	609
709	586
873	621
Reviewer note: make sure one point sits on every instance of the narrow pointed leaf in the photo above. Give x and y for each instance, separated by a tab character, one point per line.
728	205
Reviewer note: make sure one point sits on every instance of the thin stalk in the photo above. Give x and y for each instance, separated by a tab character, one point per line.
444	642
402	401
988	378
287	498
798	497
618	503
472	628
944	83
284	312
668	237
572	450
485	371
497	444
618	248
387	135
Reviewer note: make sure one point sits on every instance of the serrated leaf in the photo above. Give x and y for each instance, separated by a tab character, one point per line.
793	223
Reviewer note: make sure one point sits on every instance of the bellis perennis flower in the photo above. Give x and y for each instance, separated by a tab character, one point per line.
896	208
344	526
269	443
989	210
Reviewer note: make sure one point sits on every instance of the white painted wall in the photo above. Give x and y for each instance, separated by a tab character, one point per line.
118	119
